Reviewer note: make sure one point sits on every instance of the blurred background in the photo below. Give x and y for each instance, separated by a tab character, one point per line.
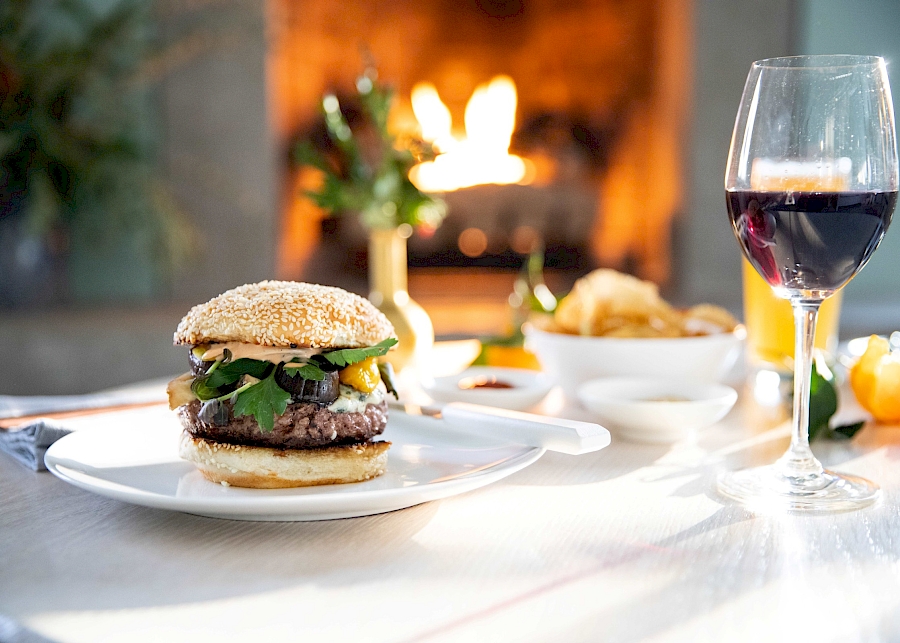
147	157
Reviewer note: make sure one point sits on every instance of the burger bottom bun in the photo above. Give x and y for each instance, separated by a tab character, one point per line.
266	468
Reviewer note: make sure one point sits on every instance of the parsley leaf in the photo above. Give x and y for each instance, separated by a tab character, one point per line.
308	371
222	375
348	356
263	400
232	371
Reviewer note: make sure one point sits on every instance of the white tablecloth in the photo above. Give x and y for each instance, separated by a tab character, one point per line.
626	544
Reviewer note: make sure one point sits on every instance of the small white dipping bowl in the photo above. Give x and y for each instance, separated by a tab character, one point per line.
572	359
529	387
656	410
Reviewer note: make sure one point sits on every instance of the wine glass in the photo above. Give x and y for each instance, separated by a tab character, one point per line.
811	184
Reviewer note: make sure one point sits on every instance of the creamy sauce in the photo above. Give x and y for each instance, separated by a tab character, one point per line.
352	401
274	354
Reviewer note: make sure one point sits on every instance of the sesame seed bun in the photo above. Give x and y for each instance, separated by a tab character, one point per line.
282	313
265	468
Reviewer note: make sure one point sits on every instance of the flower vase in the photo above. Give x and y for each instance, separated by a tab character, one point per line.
387	290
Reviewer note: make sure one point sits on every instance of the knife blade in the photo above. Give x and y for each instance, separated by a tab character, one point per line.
554	434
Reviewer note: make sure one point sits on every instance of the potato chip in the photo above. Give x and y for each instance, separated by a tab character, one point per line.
634	331
606	303
606	300
708	319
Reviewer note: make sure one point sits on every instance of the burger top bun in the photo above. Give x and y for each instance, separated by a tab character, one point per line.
281	313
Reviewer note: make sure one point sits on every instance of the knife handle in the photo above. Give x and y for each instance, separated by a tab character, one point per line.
551	433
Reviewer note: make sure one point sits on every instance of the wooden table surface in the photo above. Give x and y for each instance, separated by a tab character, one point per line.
626	544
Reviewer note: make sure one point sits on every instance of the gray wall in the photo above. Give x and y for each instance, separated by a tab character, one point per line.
219	155
862	27
219	151
728	37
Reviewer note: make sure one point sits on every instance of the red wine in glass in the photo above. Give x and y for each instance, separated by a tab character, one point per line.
811	182
809	241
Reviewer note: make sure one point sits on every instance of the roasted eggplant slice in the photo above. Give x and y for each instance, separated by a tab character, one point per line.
198	366
303	390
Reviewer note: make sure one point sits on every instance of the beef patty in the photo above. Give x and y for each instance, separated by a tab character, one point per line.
302	425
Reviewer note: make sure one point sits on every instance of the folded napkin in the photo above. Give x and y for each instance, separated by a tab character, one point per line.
29	441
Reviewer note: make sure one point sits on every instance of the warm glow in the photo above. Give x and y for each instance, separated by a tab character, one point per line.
525	239
472	242
482	156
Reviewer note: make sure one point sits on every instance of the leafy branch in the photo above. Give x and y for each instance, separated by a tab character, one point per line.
76	157
365	167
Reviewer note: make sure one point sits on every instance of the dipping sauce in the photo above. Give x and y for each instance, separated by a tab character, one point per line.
470	383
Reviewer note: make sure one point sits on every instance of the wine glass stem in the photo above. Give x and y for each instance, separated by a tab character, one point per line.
799	461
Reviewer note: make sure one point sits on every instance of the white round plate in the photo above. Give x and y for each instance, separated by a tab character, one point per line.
141	466
528	387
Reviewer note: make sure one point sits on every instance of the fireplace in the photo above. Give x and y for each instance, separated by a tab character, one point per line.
599	97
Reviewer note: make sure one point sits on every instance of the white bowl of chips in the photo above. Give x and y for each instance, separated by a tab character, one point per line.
572	359
614	325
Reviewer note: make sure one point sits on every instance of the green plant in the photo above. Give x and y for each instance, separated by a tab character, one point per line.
823	404
76	135
365	166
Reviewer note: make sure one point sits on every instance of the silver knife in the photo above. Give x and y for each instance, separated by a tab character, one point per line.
551	433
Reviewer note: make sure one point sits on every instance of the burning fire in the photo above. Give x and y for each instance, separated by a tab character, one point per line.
482	155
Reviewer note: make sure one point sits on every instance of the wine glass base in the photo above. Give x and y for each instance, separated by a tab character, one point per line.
767	488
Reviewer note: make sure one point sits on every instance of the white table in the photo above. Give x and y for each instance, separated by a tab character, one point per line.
626	544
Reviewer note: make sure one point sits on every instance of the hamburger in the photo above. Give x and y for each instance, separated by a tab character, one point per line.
284	388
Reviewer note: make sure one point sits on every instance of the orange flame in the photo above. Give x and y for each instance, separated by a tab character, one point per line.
482	156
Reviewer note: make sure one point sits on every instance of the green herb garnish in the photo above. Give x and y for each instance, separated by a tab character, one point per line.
307	371
231	372
263	400
348	356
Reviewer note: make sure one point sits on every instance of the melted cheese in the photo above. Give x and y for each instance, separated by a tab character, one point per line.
352	401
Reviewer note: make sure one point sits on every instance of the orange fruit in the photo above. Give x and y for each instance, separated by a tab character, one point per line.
511	356
875	380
